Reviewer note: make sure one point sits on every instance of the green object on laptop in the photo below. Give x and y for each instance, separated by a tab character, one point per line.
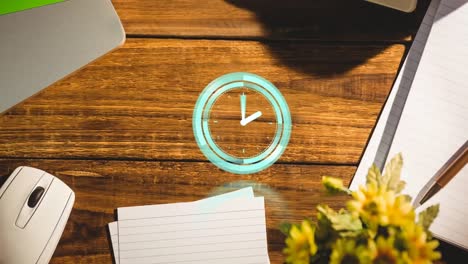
11	6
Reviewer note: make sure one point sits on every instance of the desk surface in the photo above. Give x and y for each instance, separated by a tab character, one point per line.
119	131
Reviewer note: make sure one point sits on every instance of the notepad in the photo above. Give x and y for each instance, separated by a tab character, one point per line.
229	228
244	193
433	122
381	140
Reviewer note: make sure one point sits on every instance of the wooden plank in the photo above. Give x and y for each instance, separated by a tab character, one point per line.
291	193
137	102
319	19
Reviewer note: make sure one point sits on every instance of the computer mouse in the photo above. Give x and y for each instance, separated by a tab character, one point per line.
34	208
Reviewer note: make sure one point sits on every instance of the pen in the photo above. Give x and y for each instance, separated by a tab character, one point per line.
444	175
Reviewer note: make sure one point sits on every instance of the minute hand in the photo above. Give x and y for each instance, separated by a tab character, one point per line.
251	118
243	101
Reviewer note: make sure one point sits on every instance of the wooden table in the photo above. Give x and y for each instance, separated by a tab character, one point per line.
119	131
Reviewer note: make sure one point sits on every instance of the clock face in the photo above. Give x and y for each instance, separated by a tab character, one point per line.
240	139
241	123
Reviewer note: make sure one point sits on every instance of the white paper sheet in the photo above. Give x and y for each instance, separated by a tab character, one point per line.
222	232
434	122
245	193
114	236
379	144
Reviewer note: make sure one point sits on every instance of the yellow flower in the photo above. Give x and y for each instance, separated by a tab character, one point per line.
346	251
378	206
420	250
300	244
400	211
370	204
385	251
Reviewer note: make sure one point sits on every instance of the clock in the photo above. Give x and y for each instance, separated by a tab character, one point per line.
242	123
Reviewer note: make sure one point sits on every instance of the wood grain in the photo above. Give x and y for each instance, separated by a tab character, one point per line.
291	193
343	20
137	102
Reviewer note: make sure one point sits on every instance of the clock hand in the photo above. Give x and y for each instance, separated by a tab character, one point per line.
251	118
243	101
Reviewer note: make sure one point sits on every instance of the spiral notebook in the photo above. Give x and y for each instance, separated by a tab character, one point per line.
426	116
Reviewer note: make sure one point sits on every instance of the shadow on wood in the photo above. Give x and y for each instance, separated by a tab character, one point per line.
337	20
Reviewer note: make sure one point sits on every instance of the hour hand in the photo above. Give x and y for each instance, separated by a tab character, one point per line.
243	101
251	118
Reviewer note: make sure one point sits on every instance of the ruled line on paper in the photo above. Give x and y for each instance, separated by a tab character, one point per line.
183	215
185	235
220	225
201	243
238	254
216	260
211	219
214	220
198	249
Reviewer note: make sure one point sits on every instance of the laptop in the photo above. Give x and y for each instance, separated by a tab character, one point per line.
40	45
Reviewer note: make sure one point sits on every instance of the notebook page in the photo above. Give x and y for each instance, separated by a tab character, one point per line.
244	193
453	207
434	122
229	232
382	136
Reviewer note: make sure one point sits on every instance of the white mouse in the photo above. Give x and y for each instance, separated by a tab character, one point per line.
34	208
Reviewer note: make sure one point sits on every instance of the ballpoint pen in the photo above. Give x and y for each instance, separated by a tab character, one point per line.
443	176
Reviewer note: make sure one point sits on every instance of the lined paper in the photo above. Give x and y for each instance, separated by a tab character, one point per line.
178	223
114	236
230	232
434	122
379	144
431	123
450	225
244	193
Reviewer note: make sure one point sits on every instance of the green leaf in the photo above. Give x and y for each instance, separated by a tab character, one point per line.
334	185
285	228
341	221
426	217
400	186
392	172
374	176
407	197
324	234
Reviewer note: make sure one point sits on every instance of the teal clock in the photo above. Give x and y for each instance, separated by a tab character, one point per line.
242	123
